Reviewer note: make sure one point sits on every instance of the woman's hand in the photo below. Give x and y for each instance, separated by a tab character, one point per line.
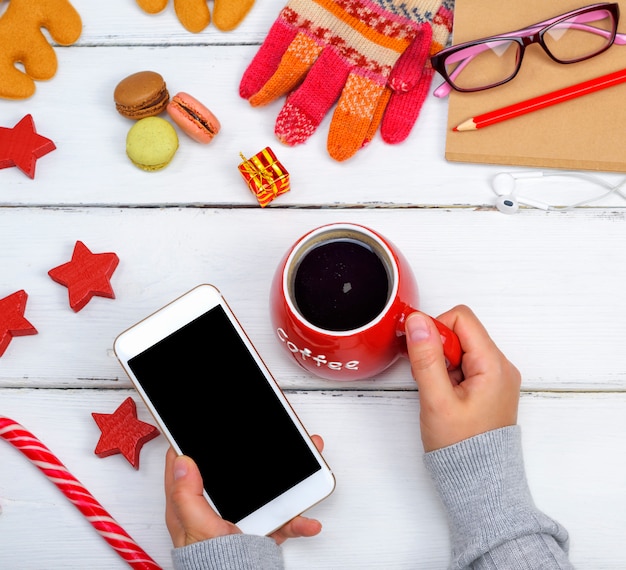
480	396
190	518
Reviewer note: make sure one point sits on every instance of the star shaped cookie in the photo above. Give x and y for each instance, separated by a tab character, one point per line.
123	433
12	321
86	275
21	146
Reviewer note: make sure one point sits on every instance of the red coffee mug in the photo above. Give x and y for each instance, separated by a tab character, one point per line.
339	301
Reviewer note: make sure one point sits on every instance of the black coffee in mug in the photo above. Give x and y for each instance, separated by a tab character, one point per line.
340	284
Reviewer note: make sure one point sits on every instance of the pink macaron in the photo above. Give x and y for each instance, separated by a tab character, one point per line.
193	118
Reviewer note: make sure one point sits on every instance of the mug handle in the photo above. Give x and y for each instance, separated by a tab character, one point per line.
451	344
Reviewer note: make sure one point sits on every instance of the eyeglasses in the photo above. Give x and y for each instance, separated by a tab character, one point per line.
488	62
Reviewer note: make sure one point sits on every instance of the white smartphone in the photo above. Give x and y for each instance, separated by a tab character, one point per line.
215	401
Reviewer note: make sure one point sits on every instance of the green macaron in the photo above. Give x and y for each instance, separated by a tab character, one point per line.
151	143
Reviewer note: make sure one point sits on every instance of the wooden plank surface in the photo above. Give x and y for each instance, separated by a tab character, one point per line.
549	287
383	512
543	284
90	137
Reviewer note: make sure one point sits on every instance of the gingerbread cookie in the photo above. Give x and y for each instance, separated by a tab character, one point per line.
22	41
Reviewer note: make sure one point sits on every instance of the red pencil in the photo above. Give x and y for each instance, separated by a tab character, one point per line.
536	103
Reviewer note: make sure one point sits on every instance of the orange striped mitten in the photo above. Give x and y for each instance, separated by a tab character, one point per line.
322	52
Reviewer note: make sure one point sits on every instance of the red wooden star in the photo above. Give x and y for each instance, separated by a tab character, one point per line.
21	146
86	275
123	433
12	321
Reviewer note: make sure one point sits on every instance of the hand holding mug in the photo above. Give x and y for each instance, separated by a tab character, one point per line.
481	396
339	300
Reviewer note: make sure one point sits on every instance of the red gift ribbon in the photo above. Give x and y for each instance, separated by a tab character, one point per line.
264	184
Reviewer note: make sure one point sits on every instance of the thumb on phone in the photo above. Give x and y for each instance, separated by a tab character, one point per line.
189	516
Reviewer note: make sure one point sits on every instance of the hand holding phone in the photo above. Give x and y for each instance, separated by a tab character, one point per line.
191	519
216	401
188	515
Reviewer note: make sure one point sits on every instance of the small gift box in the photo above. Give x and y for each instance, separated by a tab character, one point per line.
265	176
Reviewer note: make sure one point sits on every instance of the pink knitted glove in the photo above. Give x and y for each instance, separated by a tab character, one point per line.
322	52
407	91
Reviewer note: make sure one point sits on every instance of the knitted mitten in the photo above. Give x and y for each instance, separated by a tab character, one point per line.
320	52
194	15
406	98
22	41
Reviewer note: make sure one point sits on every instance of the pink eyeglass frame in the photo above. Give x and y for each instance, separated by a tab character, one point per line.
524	37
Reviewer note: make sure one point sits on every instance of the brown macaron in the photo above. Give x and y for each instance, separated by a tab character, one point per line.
142	94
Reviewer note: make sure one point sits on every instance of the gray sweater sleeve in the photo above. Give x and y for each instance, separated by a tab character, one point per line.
235	551
493	521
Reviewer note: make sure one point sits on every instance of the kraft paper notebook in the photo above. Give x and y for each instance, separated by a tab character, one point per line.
587	133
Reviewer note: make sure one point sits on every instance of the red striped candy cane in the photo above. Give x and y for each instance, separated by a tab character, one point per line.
74	490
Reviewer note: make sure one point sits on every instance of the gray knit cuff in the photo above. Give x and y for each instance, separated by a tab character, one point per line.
236	551
482	484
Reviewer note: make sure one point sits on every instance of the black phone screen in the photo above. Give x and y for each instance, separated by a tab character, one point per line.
215	401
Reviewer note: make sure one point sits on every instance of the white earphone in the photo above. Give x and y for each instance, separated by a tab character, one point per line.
503	185
508	202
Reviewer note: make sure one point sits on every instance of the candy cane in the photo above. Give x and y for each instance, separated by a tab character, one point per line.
74	490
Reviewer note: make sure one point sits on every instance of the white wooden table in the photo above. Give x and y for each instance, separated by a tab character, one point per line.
548	285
